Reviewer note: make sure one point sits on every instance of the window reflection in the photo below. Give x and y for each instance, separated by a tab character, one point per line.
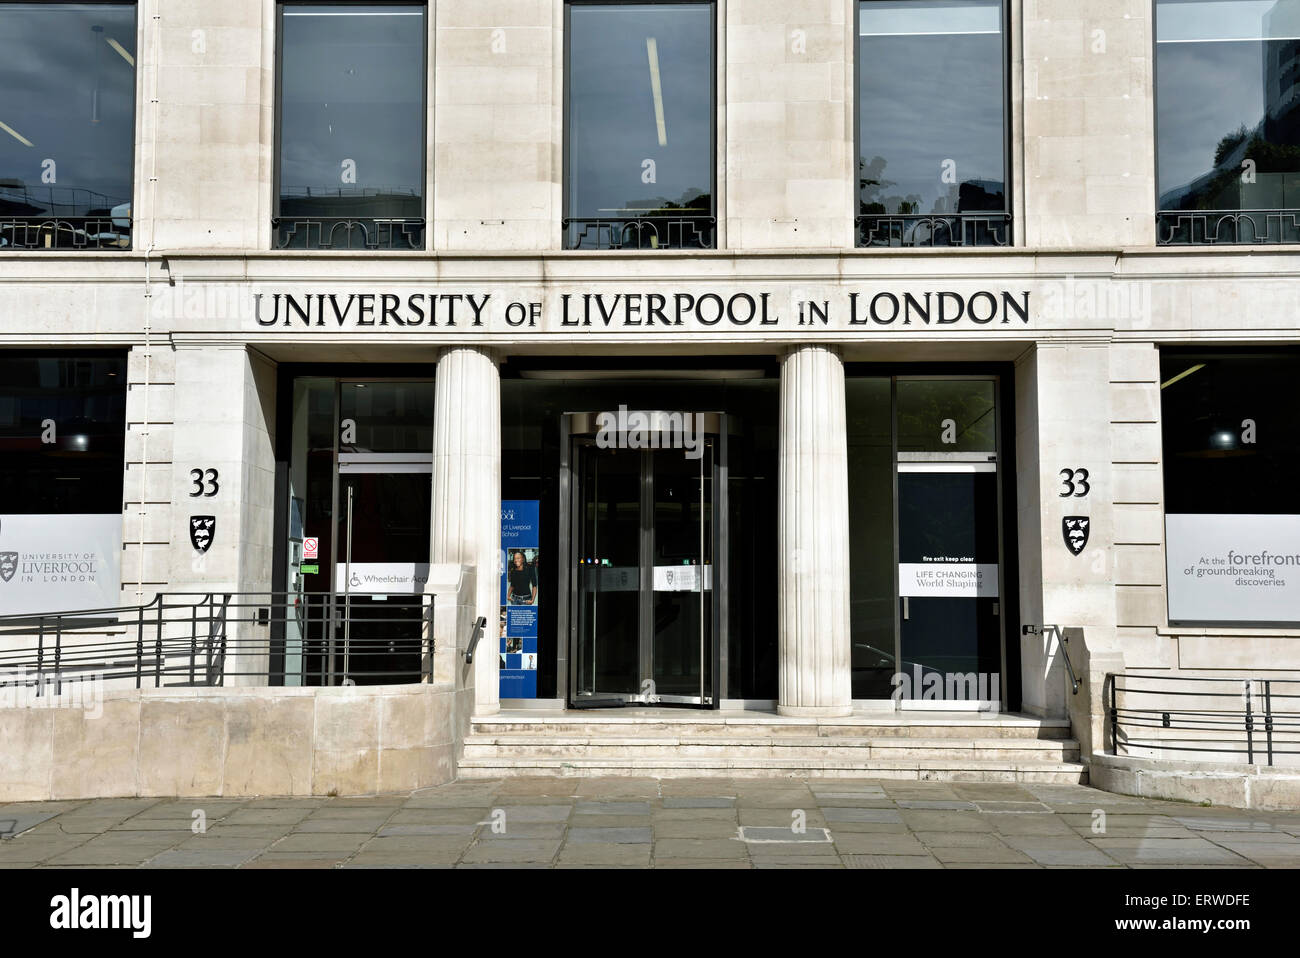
931	120
640	125
67	124
352	81
1228	119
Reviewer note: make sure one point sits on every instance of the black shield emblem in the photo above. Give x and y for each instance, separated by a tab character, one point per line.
203	529
8	565
1075	531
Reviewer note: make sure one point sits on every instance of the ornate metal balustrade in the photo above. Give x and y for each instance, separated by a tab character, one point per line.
659	231
64	232
359	233
1227	227
934	229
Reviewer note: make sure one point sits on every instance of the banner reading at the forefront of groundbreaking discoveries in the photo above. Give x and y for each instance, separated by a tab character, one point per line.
520	596
60	563
1233	569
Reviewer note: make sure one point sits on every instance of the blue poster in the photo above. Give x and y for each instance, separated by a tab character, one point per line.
520	594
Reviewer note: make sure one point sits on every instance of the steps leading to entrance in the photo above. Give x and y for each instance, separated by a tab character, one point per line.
934	747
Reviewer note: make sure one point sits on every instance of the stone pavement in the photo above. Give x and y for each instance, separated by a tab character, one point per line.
567	822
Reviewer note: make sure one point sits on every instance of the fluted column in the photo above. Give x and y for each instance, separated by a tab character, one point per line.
466	524
813	601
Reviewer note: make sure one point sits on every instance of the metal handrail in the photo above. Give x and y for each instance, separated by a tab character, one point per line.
1210	727
479	625
191	639
1061	641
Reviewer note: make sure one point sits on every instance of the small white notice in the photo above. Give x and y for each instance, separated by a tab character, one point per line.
973	580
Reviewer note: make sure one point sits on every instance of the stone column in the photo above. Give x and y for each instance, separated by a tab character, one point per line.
466	525
813	599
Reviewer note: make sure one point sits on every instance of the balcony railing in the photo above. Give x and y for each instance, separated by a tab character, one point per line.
348	233
934	229
1227	227
657	231
64	232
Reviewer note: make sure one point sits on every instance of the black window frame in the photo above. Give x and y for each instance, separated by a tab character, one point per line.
1006	218
606	236
384	241
1177	220
44	233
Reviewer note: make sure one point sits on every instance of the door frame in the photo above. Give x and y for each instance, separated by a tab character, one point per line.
573	426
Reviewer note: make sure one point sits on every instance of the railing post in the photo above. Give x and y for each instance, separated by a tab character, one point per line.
58	655
1268	717
40	655
158	646
194	639
1114	715
1250	728
139	645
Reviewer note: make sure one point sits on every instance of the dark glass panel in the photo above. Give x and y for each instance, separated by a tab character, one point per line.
931	96
1228	92
1211	405
946	415
62	434
871	535
640	119
67	120
387	416
352	95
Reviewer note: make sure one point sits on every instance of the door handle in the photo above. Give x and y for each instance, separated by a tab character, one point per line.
905	608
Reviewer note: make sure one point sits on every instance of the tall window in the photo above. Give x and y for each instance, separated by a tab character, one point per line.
639	167
351	126
932	140
1231	455
1228	121
67	125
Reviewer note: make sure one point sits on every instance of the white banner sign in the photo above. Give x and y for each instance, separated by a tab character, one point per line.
1233	569
382	578
972	580
60	563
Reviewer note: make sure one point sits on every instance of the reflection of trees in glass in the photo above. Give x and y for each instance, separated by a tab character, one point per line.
692	201
923	406
968	196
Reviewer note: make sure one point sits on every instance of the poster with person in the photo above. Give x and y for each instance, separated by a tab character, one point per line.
520	596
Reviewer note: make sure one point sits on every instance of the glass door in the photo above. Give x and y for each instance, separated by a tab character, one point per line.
950	635
643	537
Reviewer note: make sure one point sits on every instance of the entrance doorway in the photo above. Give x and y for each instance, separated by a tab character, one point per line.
359	490
643	503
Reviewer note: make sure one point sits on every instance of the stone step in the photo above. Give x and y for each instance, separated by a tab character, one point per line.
929	728
758	747
930	770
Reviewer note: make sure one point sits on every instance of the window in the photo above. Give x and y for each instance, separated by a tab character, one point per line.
1228	121
351	137
67	125
639	146
1231	454
932	128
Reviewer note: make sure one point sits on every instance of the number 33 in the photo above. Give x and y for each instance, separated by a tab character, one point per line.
1076	482
198	478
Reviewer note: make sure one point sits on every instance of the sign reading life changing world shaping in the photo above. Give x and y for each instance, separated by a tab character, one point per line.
520	595
1235	570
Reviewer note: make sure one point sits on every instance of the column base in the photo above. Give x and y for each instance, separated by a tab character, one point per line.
815	711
